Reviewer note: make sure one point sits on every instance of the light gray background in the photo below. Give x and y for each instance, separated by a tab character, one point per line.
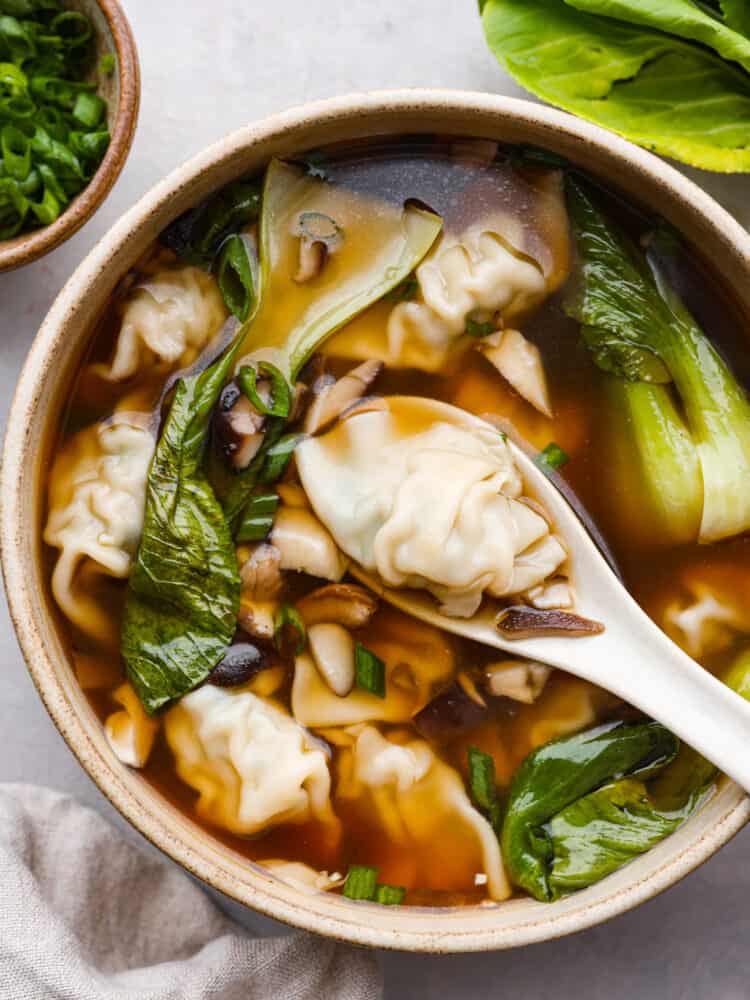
207	68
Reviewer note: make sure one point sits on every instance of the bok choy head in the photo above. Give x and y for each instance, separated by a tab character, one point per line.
686	418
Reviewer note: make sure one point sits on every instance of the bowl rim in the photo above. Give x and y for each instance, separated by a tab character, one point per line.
412	929
28	247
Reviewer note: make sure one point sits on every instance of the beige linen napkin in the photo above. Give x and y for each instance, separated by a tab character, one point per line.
84	915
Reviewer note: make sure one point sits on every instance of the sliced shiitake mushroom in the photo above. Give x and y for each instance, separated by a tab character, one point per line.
342	603
260	572
238	428
521	680
319	235
523	622
449	714
334	397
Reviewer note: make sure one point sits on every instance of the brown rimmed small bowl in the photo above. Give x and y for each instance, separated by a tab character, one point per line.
34	419
122	91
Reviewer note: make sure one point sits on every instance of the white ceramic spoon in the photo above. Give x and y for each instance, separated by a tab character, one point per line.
632	658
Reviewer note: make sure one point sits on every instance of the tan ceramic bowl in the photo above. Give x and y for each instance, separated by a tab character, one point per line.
122	91
35	418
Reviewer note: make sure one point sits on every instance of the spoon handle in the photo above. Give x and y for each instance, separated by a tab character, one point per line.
635	660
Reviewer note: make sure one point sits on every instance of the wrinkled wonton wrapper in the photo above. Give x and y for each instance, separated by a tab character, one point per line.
168	320
418	800
427	502
97	491
252	765
499	266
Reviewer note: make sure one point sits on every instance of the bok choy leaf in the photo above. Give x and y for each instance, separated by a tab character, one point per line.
666	75
560	773
184	590
377	245
695	459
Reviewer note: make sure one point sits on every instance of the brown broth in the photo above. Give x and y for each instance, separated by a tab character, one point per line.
461	189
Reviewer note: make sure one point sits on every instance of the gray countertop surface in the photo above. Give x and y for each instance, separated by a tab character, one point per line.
211	67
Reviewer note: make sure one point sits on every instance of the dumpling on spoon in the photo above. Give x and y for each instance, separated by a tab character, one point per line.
427	496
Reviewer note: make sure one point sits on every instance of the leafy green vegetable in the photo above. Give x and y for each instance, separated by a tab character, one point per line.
184	590
602	831
197	234
295	318
649	444
238	274
267	467
737	15
626	297
675	17
670	94
483	785
557	775
479	328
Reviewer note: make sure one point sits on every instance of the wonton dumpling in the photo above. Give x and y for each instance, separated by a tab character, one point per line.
168	319
417	657
427	503
475	271
418	800
252	765
97	491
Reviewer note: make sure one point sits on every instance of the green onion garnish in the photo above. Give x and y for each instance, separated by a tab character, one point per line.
88	110
361	882
52	130
281	393
278	456
289	632
257	517
404	290
107	64
483	785
369	671
237	274
478	328
551	458
389	895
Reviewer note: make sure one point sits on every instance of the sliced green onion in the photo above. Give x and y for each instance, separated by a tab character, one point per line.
551	458
90	146
16	152
404	291
278	456
50	181
54	90
237	272
16	41
289	632
479	328
483	785
257	518
88	110
389	895
48	209
361	882
369	670
281	393
107	64
72	26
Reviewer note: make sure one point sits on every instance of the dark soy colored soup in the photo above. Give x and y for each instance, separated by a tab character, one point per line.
341	742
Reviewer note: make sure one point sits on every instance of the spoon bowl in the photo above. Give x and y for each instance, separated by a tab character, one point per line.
631	657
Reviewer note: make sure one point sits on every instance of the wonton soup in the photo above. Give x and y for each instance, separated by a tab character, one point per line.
301	398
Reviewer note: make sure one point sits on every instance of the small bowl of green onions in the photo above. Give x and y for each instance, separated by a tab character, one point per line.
69	95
